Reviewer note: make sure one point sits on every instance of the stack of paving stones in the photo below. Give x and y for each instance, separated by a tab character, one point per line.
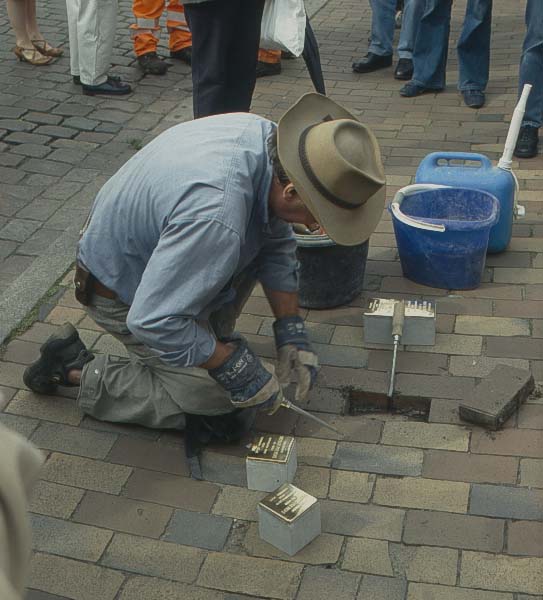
411	510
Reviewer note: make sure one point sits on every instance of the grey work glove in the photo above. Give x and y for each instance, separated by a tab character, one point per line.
250	381
295	355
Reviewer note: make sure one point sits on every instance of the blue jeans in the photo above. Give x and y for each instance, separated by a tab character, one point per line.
432	45
531	63
382	26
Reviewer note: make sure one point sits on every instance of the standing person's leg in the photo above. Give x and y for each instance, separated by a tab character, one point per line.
72	10
24	49
430	50
96	27
211	25
180	36
531	71
411	16
379	56
243	54
145	32
35	34
474	52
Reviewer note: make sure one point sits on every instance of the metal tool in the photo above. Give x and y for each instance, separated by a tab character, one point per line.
288	404
398	319
412	322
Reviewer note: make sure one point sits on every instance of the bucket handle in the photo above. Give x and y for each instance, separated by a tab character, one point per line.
406	191
435	157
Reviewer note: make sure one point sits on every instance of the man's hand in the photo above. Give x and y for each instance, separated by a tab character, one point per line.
295	355
250	381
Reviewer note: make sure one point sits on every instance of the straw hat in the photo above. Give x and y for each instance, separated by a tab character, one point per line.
334	162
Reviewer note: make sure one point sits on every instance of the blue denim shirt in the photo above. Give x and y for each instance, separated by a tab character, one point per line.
178	221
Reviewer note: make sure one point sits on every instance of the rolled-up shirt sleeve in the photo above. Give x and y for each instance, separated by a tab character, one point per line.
277	265
192	263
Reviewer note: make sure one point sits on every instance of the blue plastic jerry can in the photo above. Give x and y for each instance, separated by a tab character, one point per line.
480	175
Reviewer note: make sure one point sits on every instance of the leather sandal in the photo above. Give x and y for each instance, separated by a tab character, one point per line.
46	49
32	56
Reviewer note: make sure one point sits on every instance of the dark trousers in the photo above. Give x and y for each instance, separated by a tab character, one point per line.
225	40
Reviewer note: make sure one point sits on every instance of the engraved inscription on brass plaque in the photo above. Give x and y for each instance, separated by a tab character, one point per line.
288	502
274	448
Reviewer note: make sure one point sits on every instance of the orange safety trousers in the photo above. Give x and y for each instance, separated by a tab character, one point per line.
146	29
269	56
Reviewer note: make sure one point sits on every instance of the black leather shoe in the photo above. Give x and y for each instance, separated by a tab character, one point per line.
474	98
60	353
410	90
184	55
151	64
372	62
113	86
77	80
404	69
527	143
264	69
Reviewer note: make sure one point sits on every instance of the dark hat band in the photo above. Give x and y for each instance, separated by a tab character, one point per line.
313	177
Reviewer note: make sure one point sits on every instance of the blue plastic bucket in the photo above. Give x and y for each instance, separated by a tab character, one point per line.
442	234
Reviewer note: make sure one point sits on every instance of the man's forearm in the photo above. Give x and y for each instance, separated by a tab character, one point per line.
221	354
283	304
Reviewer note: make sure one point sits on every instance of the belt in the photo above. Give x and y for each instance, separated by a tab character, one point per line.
86	285
101	290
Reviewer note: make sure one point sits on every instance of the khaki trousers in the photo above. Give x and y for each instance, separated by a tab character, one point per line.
141	388
91	27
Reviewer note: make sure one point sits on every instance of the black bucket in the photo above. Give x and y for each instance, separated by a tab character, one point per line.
330	275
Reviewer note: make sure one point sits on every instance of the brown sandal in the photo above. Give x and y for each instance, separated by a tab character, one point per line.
31	56
46	49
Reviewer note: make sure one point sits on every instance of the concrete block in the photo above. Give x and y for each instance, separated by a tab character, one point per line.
506	502
271	462
289	519
495	399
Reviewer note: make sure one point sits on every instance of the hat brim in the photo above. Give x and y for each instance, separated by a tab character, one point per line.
346	227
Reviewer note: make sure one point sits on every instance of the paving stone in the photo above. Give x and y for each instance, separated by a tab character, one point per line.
6	394
198	529
54	500
514	308
506	502
43	118
326	400
421	563
351	486
525	538
19	230
70	156
426	435
531	472
508	442
85	473
22	425
453	530
530	416
378	459
318	583
60	315
313	480
374	587
323	550
426	591
367	556
73	440
408	362
500	326
517	275
452	344
260	576
22	137
79	122
37	595
151	588
514	347
16	125
482	366
223	468
430	494
38	332
22	352
172	490
315	452
151	557
502	573
123	514
362	520
48	408
73	579
356	430
65	538
148	455
239	503
431	386
461	306
478	468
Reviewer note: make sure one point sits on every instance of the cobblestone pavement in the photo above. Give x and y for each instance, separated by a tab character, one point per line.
411	510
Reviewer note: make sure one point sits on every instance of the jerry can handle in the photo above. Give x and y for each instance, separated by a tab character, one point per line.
433	159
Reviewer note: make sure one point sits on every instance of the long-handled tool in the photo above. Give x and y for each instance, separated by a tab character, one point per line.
288	404
411	322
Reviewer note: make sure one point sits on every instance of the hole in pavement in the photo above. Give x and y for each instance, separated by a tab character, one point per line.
414	407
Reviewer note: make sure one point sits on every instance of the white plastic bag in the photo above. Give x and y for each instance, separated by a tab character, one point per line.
283	26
